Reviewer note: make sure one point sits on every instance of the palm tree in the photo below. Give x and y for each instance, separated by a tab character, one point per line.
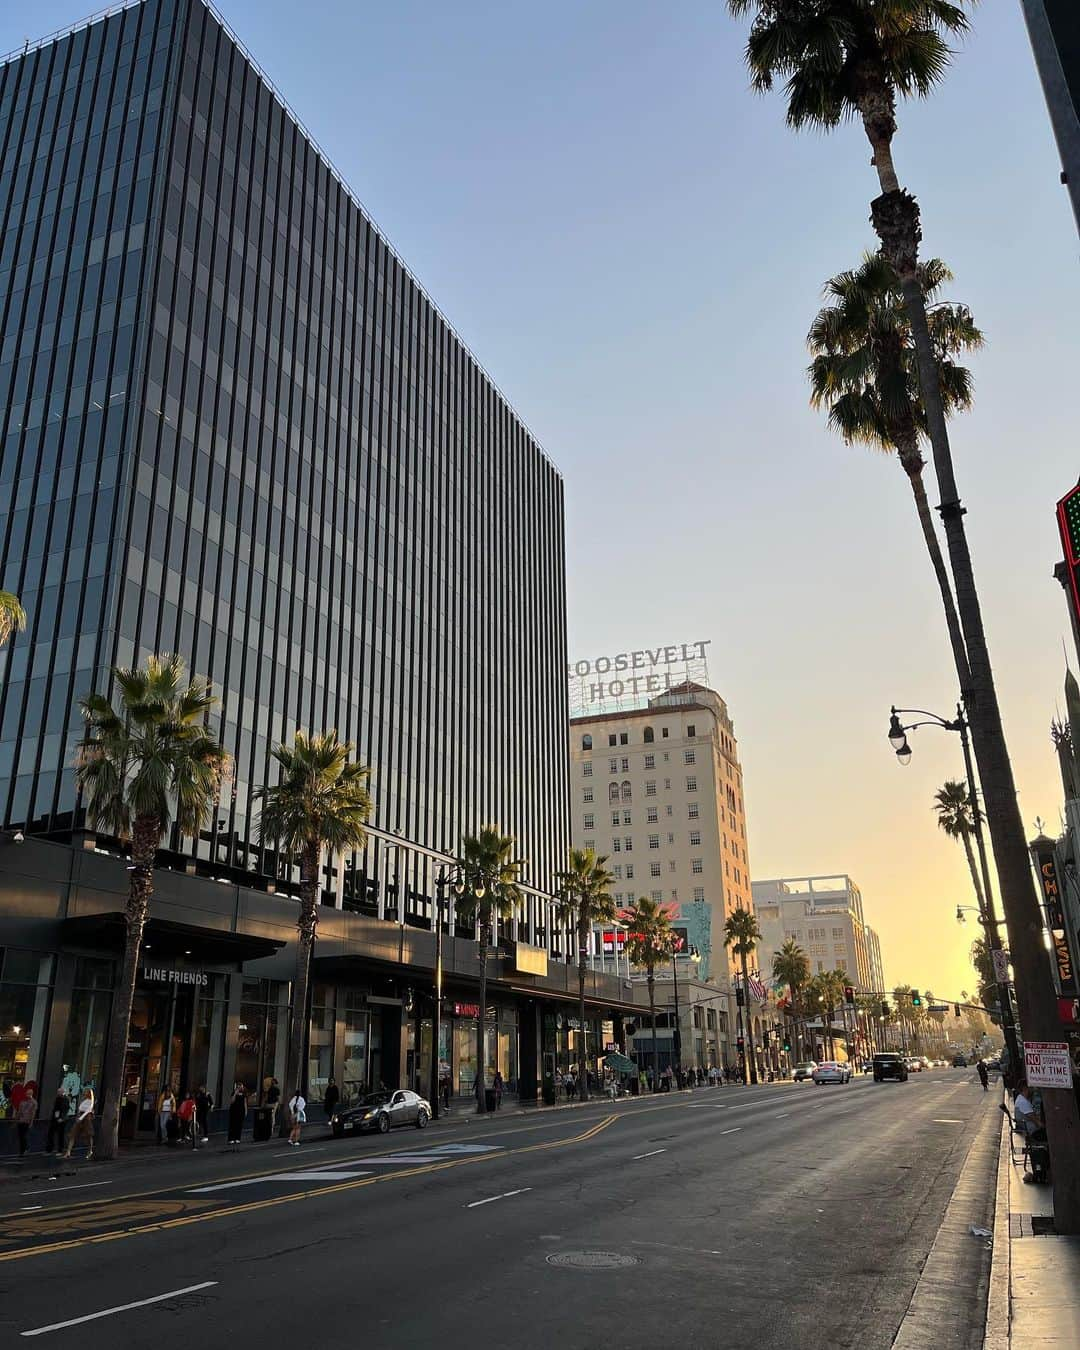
487	888
650	939
791	966
320	801
865	373
584	900
742	934
12	616
851	59
956	817
144	763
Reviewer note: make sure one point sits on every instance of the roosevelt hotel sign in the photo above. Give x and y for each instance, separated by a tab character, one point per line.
627	677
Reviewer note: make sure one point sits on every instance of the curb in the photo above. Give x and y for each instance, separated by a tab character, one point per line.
998	1295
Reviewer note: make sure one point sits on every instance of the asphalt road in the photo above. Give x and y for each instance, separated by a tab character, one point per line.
773	1216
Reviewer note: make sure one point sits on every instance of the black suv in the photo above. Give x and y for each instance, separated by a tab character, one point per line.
889	1066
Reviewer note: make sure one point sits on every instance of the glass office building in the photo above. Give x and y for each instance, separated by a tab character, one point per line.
232	425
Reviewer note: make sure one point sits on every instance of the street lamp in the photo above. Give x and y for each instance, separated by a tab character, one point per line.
693	955
899	742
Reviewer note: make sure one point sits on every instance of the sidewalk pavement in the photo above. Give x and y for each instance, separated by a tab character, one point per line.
1035	1280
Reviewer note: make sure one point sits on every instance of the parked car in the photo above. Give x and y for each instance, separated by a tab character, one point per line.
959	1062
381	1111
890	1065
805	1071
831	1072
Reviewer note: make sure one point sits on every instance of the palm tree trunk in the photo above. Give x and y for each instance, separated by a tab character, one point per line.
583	1075
652	1014
144	842
481	1024
913	467
751	1058
976	880
305	944
895	217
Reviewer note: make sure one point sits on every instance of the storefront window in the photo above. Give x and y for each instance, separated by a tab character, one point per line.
208	1037
263	1035
25	990
88	1024
465	1045
354	1068
321	1052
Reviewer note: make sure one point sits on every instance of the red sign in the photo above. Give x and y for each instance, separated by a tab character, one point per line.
466	1009
1068	1010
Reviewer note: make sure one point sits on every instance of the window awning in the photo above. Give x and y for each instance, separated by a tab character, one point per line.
166	938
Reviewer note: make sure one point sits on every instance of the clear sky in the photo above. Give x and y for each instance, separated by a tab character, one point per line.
633	245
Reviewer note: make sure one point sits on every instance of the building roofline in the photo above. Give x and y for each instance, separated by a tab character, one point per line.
648	711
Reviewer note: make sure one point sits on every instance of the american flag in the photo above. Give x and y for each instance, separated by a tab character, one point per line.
757	988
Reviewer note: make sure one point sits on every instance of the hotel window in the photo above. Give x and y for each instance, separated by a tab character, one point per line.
695	838
626	817
671	838
586	796
650	761
838	932
613	766
613	792
629	871
586	742
591	843
664	733
651	815
627	794
696	866
672	864
667	784
615	818
650	788
649	736
699	892
690	756
589	822
654	841
657	896
586	769
693	811
611	739
616	871
691	785
616	845
625	765
654	869
628	844
624	738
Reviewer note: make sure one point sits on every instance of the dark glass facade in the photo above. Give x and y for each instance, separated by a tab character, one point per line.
234	426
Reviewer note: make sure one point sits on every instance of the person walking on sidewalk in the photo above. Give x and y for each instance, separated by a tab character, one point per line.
984	1074
25	1115
61	1108
204	1104
83	1131
165	1107
498	1086
331	1097
186	1114
297	1117
272	1099
237	1112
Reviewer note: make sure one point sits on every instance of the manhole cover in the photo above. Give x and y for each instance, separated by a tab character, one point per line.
592	1260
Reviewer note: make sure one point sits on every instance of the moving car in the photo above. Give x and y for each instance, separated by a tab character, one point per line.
959	1062
804	1071
914	1065
888	1064
381	1111
831	1072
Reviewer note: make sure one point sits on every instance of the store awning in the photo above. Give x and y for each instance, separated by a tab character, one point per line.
618	1063
165	938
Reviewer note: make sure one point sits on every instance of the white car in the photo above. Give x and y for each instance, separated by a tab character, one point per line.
831	1072
804	1071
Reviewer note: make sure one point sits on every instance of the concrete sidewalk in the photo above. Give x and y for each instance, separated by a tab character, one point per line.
1034	1299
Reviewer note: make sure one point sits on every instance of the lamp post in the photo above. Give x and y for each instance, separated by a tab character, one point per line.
692	954
991	924
436	1020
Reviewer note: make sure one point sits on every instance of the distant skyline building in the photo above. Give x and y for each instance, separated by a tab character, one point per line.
877	966
825	917
1054	27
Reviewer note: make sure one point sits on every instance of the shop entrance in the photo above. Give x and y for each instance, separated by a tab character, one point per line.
159	1035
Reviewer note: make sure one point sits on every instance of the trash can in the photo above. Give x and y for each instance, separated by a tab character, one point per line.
260	1130
489	1099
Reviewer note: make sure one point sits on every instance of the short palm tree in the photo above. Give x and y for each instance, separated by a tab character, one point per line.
487	888
584	899
956	817
742	934
146	761
650	939
320	801
791	966
865	373
12	616
826	992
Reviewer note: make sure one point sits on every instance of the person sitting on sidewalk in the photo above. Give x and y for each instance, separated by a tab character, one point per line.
1030	1122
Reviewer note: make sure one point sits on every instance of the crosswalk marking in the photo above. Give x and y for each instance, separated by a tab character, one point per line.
324	1175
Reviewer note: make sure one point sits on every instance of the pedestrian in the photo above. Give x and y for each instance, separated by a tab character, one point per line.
186	1114
25	1115
166	1105
498	1086
984	1075
444	1089
272	1099
560	1083
297	1117
570	1083
1027	1106
204	1104
83	1130
649	1077
54	1140
237	1112
331	1097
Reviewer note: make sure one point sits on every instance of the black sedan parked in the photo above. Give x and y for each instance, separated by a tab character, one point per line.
381	1111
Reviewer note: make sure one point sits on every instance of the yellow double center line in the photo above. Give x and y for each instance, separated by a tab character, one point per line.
251	1206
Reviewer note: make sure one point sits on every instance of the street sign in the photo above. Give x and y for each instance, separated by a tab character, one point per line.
1001	965
938	1007
1047	1064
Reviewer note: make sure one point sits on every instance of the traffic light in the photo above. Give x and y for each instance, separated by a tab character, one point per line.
884	1010
787	1044
916	999
849	995
740	996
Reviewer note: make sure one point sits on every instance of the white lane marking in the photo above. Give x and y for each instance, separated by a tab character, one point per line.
318	1148
734	1130
122	1307
322	1175
651	1154
80	1186
782	1116
24	1208
505	1196
946	1122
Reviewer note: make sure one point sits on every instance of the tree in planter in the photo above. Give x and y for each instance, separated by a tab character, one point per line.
843	59
487	888
320	801
791	966
583	900
742	934
12	616
143	764
650	940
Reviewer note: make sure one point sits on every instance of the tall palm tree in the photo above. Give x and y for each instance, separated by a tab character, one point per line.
843	59
487	888
865	373
584	899
144	762
12	616
956	817
650	940
742	934
320	801
791	966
